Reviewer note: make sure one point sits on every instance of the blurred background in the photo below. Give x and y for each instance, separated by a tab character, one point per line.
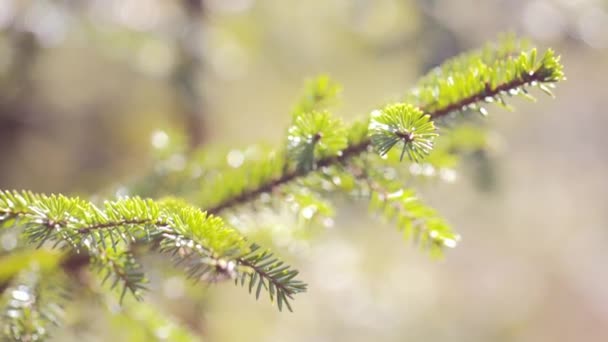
88	88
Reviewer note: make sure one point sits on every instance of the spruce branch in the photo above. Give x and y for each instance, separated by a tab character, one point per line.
208	248
490	83
418	222
474	82
389	198
120	268
271	274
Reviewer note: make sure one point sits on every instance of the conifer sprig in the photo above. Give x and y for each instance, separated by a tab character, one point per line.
418	222
207	248
271	274
478	79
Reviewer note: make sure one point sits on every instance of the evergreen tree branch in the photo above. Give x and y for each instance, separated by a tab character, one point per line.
269	273
209	249
415	219
392	200
120	267
460	89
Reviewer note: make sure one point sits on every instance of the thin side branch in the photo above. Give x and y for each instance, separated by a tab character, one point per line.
262	273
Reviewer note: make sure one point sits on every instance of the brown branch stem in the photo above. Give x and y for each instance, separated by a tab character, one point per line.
115	224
